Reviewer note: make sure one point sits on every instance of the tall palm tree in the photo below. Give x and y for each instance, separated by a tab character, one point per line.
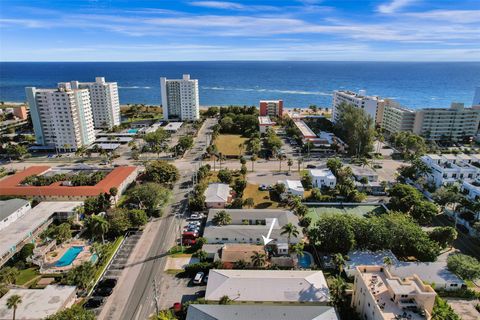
299	163
98	226
290	230
13	302
337	291
253	159
258	259
280	157
289	164
222	218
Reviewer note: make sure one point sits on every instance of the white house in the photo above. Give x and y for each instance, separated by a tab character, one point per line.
292	188
471	190
448	169
218	195
11	210
322	178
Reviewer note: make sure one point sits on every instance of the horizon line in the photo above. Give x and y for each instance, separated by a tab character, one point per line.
123	61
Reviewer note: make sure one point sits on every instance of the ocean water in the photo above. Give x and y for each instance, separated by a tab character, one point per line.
299	84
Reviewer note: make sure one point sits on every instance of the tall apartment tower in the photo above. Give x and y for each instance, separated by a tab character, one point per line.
62	118
104	100
180	98
369	104
272	108
476	97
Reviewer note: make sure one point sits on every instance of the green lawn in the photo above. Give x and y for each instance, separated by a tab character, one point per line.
360	210
260	198
26	276
229	144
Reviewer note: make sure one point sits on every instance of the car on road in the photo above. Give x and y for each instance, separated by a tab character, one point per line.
94	302
198	278
205	279
311	166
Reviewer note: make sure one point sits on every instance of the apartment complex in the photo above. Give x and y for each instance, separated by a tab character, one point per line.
104	101
272	108
448	169
369	104
396	118
180	98
62	118
378	295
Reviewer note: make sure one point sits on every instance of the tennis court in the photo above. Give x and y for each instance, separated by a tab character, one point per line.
359	210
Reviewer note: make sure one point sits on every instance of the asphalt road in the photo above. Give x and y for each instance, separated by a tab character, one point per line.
140	304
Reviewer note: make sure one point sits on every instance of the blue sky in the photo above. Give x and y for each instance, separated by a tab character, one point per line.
164	30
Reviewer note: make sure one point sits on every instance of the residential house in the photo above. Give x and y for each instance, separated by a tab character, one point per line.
322	178
218	195
292	188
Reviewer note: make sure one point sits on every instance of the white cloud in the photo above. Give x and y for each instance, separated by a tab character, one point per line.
231	6
454	16
393	6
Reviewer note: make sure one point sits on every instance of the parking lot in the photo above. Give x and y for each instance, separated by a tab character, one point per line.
115	268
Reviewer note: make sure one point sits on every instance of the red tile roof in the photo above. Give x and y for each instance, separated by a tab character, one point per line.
11	185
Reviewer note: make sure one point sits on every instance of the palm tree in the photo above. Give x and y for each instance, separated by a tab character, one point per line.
299	163
222	218
13	302
298	249
224	300
240	264
98	226
113	192
388	262
289	164
280	157
249	202
258	259
290	230
253	159
337	291
339	261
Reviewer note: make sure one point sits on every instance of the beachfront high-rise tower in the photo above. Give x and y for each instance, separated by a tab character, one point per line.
476	97
104	100
62	117
180	98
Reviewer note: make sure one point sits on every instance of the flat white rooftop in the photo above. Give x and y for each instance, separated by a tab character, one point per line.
34	218
321	173
173	126
38	303
304	129
265	121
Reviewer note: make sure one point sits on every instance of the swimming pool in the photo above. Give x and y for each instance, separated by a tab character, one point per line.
305	261
69	256
132	130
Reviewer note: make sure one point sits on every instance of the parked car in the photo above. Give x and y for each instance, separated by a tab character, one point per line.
194	223
177	307
190	235
197	216
188	242
107	283
94	302
205	279
263	187
103	291
198	278
311	166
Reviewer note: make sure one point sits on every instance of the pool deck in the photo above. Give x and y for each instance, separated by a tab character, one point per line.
54	256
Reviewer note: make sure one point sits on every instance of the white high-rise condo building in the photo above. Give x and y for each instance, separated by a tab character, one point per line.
476	97
104	100
369	104
62	118
180	98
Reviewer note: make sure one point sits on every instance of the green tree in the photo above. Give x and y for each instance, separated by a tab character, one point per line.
258	259
253	158
8	275
165	315
76	312
63	232
80	276
25	252
289	164
464	266
356	128
240	264
333	233
249	202
224	300
337	291
225	176
185	142
150	197
334	165
424	212
161	172
290	230
446	196
339	261
137	217
113	192
388	262
119	221
444	236
98	226
403	197
279	188
157	141
222	218
13	302
442	311
201	255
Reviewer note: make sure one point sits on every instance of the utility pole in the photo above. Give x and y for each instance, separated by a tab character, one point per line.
155	295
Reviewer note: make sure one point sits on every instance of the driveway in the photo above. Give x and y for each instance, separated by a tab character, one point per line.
464	308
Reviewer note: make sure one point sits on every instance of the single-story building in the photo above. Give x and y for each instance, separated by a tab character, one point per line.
364	172
264	123
233	252
248	226
292	188
38	304
322	178
277	286
11	210
218	195
260	312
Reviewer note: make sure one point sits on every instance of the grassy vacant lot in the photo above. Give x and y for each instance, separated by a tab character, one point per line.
229	144
26	276
360	210
261	199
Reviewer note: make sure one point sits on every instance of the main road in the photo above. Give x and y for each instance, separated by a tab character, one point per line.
135	298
